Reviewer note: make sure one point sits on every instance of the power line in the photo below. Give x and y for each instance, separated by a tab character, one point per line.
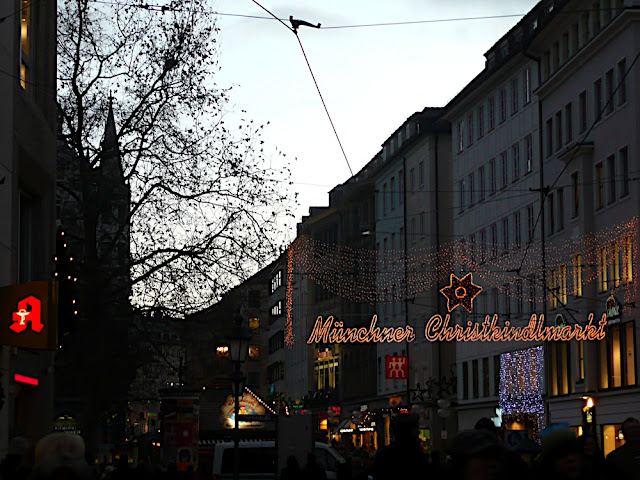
306	59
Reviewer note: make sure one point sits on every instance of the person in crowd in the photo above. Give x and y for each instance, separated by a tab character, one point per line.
122	470
15	465
312	470
594	464
61	455
626	459
292	471
511	463
561	458
475	455
404	452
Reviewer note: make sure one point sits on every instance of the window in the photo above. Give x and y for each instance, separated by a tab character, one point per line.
485	377
602	269
460	136
582	111
597	100
480	121
575	195
532	293
276	281
615	264
617	356
492	176
483	245
412	229
530	223
472	192
627	259
496	375
518	285
276	342
553	286
527	85
515	160
551	214
577	275
421	173
392	192
560	368
549	132
412	181
503	104
481	183
384	199
254	352
423	225
25	42
528	148
599	185
28	243
560	198
474	379
400	187
494	240
581	361
506	290
558	130
562	285
516	230
461	194
623	155
254	323
608	85
465	380
275	372
611	173
492	112
514	95
470	130
622	82
472	251
568	124
505	234
495	300
276	310
505	169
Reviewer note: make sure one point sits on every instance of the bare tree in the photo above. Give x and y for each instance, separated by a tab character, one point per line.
206	208
137	100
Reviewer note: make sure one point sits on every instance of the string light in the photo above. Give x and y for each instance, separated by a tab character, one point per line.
521	386
260	401
289	337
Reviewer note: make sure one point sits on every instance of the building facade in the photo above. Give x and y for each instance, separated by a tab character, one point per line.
27	198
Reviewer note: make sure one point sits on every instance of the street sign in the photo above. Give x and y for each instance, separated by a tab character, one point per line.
255	418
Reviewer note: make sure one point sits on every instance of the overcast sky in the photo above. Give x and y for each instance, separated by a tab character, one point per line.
372	78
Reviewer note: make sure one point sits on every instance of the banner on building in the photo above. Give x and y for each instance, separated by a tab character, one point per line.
396	367
29	315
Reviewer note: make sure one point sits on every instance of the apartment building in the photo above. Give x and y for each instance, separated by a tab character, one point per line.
589	111
496	180
27	198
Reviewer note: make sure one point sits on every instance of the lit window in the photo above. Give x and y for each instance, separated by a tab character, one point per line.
615	264
577	275
254	323
562	292
627	253
553	281
254	352
222	351
602	269
25	41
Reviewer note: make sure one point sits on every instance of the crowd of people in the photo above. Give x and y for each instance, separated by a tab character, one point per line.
476	454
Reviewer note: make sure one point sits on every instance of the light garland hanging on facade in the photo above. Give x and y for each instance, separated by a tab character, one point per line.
521	386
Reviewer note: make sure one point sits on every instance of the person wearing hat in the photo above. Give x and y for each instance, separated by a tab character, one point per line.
561	457
475	455
404	454
626	459
61	455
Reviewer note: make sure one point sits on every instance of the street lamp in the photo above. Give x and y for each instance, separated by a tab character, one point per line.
238	340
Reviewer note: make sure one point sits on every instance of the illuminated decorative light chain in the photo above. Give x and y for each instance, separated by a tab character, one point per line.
260	401
289	337
521	386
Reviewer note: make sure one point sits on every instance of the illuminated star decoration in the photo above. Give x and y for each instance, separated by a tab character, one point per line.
461	291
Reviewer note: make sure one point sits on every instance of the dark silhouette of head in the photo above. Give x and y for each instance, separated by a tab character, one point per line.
631	431
485	424
405	428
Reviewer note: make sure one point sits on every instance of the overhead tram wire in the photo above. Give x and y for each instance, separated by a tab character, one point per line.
575	151
295	32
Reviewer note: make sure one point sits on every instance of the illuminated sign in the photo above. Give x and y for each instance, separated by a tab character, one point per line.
614	310
29	315
460	292
396	367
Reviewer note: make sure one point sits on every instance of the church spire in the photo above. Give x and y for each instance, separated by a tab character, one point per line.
110	149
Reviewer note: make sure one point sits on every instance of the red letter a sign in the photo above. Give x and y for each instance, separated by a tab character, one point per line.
29	310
